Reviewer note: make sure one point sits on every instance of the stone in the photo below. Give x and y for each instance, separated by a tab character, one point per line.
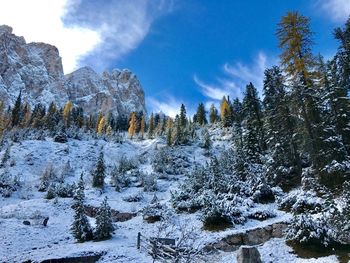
61	138
278	230
236	239
26	222
247	254
257	236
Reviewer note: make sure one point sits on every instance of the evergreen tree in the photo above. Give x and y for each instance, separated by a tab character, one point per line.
280	127
201	115
99	172
16	111
183	117
52	117
80	227
253	137
213	114
104	226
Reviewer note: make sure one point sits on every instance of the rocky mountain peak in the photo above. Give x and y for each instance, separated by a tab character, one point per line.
36	70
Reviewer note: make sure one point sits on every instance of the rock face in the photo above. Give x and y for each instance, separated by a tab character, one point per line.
36	70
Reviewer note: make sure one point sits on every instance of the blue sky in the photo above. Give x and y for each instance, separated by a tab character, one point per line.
183	51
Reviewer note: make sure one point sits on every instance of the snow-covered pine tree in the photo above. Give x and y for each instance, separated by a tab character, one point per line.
253	135
99	172
213	114
201	115
285	167
80	227
104	226
16	111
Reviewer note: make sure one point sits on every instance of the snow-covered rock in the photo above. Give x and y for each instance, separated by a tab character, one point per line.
36	70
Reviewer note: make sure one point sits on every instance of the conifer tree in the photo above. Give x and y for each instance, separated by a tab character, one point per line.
253	137
104	226
67	113
225	113
213	114
80	227
280	127
52	117
182	116
98	174
132	125
201	115
16	111
101	126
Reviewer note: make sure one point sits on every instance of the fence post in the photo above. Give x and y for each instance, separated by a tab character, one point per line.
138	240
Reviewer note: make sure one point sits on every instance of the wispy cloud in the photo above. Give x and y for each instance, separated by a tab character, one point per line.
235	77
169	106
85	31
338	10
121	25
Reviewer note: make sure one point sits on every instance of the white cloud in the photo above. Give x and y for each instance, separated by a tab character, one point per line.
169	106
236	77
338	10
84	31
40	21
211	91
122	25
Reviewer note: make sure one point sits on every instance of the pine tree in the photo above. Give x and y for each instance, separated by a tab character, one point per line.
104	226
132	125
280	127
80	227
99	172
213	114
253	137
201	115
52	117
16	111
182	116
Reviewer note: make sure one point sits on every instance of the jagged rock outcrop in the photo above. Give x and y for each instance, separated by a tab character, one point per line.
36	70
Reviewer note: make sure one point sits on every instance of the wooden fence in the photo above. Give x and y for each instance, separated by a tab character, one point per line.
164	249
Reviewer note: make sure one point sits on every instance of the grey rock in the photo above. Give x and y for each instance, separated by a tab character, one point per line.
247	254
36	70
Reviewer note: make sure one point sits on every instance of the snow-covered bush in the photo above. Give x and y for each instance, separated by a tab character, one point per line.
307	229
261	215
149	182
302	202
47	176
63	190
155	211
134	197
170	161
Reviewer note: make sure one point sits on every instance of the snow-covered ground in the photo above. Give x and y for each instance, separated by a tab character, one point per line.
29	158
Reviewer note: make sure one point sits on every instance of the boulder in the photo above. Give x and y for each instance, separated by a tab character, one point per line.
257	236
247	254
61	138
26	222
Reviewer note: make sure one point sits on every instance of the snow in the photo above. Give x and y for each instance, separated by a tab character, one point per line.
36	242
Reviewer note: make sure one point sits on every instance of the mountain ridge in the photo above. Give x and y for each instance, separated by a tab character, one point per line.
36	70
